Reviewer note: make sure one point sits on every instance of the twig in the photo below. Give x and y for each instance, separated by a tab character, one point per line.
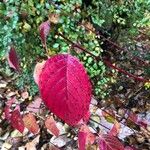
106	62
117	46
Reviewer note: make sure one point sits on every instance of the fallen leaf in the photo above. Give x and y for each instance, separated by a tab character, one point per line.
6	146
108	142
32	145
13	60
25	95
7	112
91	147
30	123
115	129
51	125
133	117
37	71
60	141
109	116
16	121
90	136
35	105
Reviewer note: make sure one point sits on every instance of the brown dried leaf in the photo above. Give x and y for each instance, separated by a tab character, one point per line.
30	123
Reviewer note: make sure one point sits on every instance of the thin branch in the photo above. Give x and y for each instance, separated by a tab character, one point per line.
125	72
117	46
106	62
99	123
77	45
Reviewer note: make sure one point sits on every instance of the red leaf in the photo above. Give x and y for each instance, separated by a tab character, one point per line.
37	71
115	129
90	136
108	142
16	121
82	140
30	123
44	29
65	88
51	125
13	60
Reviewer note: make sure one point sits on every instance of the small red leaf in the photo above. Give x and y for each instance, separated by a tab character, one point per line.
16	121
51	125
30	123
44	29
13	60
115	129
82	140
65	88
108	142
37	71
90	136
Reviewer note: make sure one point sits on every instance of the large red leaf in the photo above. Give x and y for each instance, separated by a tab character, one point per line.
44	29
16	121
108	142
13	60
65	88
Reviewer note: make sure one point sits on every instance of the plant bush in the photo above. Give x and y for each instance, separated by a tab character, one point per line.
20	22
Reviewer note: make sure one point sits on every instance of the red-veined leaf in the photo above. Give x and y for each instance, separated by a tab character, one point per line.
30	123
13	60
44	29
82	140
51	126
37	71
108	142
16	120
35	105
65	88
135	119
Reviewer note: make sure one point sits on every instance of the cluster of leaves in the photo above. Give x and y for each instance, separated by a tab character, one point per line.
19	26
21	20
